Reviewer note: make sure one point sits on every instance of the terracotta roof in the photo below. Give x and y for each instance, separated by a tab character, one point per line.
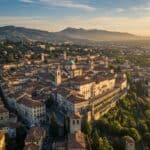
64	92
3	110
35	134
75	116
27	101
81	80
74	99
31	146
1	103
76	140
12	125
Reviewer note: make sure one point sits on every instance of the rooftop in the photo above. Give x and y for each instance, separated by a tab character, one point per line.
27	101
31	146
3	109
35	134
76	141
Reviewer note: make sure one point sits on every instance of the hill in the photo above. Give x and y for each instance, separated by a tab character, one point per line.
96	35
69	34
19	33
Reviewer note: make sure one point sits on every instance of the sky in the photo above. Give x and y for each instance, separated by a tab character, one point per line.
131	16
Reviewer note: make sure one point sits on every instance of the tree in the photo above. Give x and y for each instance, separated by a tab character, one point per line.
146	137
88	143
131	122
86	128
135	134
106	145
11	143
115	127
49	102
66	125
103	125
125	131
53	126
95	141
120	115
20	136
133	96
143	126
147	113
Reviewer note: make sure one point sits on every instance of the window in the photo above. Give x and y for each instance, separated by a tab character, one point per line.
77	121
73	121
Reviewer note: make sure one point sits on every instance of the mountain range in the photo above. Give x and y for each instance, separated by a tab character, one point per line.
69	34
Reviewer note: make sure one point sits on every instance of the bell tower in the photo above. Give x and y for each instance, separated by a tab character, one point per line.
75	122
58	76
91	65
42	57
65	55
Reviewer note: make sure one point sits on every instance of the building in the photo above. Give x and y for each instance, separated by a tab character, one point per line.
93	94
35	138
75	122
129	143
4	115
2	140
65	55
32	111
42	57
75	139
1	103
70	65
10	129
84	85
58	76
31	146
70	102
51	75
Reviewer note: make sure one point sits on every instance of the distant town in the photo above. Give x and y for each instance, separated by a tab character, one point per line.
64	96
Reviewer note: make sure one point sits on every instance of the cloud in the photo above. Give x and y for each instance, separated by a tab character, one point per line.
61	3
141	8
26	1
119	10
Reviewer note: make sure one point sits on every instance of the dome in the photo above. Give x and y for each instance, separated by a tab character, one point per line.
70	62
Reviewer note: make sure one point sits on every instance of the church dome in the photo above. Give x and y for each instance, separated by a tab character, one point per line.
70	62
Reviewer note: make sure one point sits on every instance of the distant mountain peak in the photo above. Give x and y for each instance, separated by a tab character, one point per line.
70	29
95	34
69	34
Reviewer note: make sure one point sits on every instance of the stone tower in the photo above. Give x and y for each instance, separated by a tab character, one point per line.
91	65
75	122
65	55
58	76
42	57
129	144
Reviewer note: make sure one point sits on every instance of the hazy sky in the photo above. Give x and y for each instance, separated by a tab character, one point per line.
53	15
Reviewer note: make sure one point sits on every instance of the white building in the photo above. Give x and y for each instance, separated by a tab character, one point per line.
34	112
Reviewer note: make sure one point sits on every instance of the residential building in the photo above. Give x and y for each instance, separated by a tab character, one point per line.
2	140
4	115
32	111
35	138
